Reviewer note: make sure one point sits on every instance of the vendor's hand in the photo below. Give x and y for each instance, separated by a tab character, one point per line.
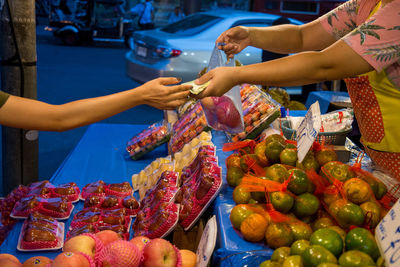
235	40
158	95
222	80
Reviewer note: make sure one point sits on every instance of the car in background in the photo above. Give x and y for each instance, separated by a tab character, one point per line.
182	49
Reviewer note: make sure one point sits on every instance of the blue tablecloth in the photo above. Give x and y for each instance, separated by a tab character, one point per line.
100	154
325	98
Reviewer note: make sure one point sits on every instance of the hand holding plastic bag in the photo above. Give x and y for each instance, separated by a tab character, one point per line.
224	113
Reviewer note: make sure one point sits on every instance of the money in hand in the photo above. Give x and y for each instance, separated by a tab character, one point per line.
197	88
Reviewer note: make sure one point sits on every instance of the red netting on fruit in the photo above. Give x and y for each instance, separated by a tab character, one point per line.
121	253
239	145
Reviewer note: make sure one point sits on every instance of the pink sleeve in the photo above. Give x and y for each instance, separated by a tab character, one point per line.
377	40
341	20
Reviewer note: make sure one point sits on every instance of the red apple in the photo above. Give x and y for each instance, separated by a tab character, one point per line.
8	257
108	236
81	243
140	242
121	253
70	259
159	253
37	261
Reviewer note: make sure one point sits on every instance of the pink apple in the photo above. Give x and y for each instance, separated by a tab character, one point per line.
9	257
140	242
81	243
37	261
227	113
108	236
159	253
121	253
9	263
70	259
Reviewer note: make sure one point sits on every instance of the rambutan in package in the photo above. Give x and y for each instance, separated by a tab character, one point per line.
223	113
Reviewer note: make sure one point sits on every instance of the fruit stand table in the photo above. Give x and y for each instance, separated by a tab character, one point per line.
100	154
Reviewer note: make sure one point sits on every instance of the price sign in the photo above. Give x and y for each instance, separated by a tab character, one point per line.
387	235
308	130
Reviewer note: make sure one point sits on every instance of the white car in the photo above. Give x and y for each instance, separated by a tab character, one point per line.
182	49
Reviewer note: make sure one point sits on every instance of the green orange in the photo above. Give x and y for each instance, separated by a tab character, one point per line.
281	201
357	190
241	195
275	137
300	230
335	170
372	212
355	258
361	239
280	254
234	175
322	222
238	214
288	156
338	230
269	263
273	150
305	205
325	155
299	246
233	161
259	151
350	214
293	261
329	239
299	182
277	173
316	254
278	235
309	163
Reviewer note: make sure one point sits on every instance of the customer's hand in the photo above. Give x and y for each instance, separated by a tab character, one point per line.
222	80
157	94
234	40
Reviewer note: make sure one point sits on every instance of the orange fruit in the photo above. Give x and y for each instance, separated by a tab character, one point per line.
281	201
309	163
322	222
259	151
350	214
279	235
305	205
325	155
299	182
188	258
234	176
233	161
363	240
280	254
355	258
335	170
245	158
357	191
300	230
273	150
253	227
275	137
299	246
277	173
288	156
329	239
372	212
238	214
240	195
329	198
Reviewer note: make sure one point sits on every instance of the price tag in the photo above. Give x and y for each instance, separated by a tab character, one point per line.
387	235
207	243
308	130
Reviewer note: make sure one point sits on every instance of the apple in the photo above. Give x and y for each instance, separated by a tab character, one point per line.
81	243
140	242
9	263
121	253
159	253
70	259
9	257
108	236
37	261
188	258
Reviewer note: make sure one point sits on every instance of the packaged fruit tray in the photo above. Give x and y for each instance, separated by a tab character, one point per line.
148	139
259	111
190	125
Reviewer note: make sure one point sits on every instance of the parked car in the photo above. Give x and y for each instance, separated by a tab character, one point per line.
183	48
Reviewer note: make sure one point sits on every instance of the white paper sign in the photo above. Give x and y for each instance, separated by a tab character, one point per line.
387	235
207	243
308	130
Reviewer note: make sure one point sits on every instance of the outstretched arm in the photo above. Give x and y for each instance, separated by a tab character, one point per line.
335	62
26	113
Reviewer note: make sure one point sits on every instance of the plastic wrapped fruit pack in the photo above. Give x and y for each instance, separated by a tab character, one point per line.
159	214
259	111
148	139
111	202
190	125
148	177
201	182
93	220
69	190
42	188
189	151
41	232
57	207
101	189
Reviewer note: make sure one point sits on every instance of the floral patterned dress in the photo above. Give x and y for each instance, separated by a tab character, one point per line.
373	32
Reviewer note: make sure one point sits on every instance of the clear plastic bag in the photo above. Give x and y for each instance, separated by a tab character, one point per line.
224	113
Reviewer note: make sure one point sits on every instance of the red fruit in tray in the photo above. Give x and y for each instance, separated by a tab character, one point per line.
114	219
159	194
130	202
121	187
185	211
159	220
119	229
56	205
88	228
121	211
227	114
66	189
95	187
33	234
88	219
109	202
205	185
92	201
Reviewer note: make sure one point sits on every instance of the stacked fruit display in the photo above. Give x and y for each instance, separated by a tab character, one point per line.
148	139
313	212
259	111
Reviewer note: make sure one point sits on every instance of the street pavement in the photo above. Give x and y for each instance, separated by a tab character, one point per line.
70	73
